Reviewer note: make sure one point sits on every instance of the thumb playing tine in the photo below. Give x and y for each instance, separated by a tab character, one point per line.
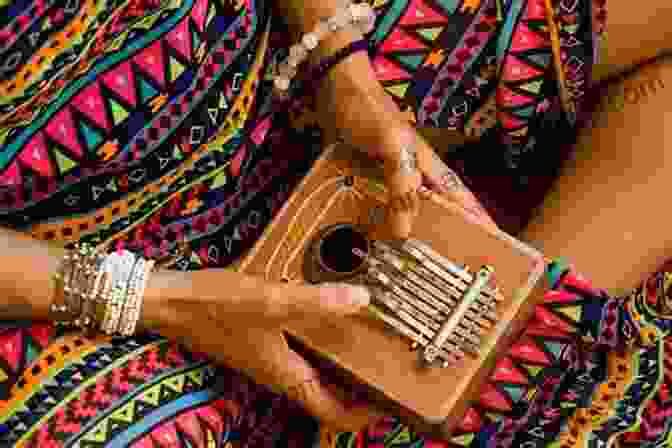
338	299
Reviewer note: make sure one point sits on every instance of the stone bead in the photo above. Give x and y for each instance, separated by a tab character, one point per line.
310	41
298	53
340	20
286	71
281	83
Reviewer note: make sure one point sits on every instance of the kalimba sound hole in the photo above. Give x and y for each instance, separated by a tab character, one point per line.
335	250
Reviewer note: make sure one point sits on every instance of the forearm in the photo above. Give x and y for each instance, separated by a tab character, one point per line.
350	98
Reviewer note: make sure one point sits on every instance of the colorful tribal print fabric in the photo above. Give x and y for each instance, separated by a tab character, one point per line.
148	125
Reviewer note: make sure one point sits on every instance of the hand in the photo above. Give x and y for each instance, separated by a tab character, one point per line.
243	329
352	102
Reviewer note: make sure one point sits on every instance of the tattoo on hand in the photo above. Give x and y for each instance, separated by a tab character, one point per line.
299	392
634	92
408	161
448	179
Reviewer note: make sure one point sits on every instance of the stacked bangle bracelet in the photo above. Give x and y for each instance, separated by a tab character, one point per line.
94	291
358	15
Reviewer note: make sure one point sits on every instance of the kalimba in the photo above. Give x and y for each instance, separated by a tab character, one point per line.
444	302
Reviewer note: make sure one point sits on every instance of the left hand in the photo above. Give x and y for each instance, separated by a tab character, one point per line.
353	103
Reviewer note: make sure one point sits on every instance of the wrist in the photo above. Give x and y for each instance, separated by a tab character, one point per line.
157	311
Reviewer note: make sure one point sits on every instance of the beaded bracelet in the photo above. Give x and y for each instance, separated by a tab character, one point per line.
359	15
94	290
120	267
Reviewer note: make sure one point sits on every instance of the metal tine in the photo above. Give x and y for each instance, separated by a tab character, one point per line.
451	284
404	267
434	272
416	338
450	326
404	300
402	290
450	267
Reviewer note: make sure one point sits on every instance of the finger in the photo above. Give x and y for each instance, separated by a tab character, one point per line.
324	402
252	297
441	179
298	301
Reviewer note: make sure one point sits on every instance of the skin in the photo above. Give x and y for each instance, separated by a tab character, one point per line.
605	199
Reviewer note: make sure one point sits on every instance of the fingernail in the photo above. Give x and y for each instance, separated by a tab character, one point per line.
352	294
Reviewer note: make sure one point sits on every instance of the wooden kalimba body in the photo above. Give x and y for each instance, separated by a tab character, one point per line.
453	295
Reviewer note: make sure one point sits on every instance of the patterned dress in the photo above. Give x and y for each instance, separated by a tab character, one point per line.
148	125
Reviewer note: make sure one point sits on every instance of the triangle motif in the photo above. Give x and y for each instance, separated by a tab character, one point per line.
98	434
542	59
515	392
418	13
430	33
533	87
90	103
516	70
122	82
399	40
119	113
387	70
64	163
151	62
573	312
509	121
175	383
471	422
197	376
11	348
551	320
180	39
61	128
554	347
32	352
560	296
41	333
463	440
411	60
402	437
36	156
535	10
151	395
3	376
508	98
219	181
176	69
92	137
525	39
198	14
525	113
398	90
528	351
492	398
125	413
505	371
147	92
12	176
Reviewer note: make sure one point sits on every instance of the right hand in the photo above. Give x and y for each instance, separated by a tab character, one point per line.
241	325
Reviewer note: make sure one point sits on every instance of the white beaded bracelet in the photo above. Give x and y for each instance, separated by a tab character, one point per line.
136	290
118	267
359	15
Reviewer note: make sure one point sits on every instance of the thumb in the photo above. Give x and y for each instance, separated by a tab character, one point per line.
324	402
291	300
